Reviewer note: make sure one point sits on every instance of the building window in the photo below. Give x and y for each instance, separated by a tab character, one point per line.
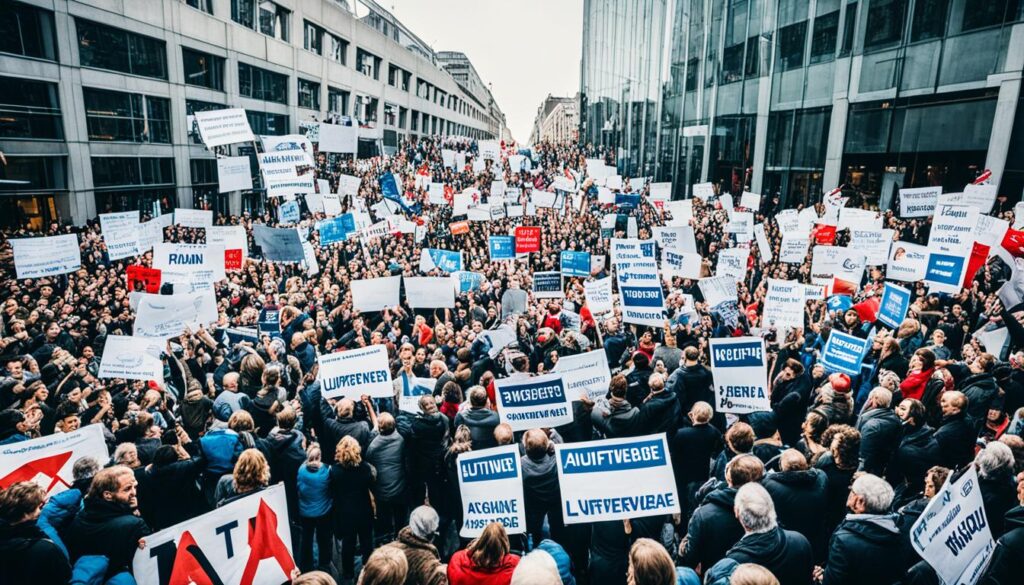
885	23
368	63
261	84
244	12
823	40
203	171
732	64
983	13
403	113
126	117
929	20
313	38
337	101
414	123
366	108
339	50
692	73
752	67
849	28
203	69
204	5
309	95
390	114
33	174
791	45
105	47
263	16
127	171
29	109
267	124
27	30
193	106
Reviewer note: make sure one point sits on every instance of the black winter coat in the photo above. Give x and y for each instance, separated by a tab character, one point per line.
956	438
785	553
169	494
879	436
692	449
109	529
865	550
28	556
839	481
801	503
981	390
789	401
712	531
999	494
693	384
1007	564
917	452
426	442
659	414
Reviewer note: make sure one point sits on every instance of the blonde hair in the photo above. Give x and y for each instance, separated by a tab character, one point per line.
251	472
488	550
241	421
348	452
650	564
313	457
386	566
752	574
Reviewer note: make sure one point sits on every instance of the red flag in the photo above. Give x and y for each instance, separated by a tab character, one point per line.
868	310
979	255
1013	242
983	177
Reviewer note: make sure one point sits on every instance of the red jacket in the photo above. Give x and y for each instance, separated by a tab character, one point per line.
462	571
914	384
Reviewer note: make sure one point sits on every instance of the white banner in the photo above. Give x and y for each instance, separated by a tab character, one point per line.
49	256
682	264
355	372
599	295
794	248
533	403
48	461
718	289
853	218
681	210
585	373
763	247
122	242
429	292
193	218
338	138
278	244
825	260
491	483
732	262
489	149
150	234
121	219
953	228
281	166
679	238
233	174
919	202
197	266
289	143
636	269
448	158
616	479
376	294
286	187
220	127
132	358
788	221
232	237
907	262
740	223
873	243
740	371
784	303
247	541
163	316
751	201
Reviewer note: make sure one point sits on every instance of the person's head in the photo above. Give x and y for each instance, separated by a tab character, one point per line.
994	461
437	368
116	485
314	457
490	548
925	358
127	454
536	443
983	363
912	411
701	413
740	437
754	509
251	471
845	447
427	405
85	468
386	566
650	564
869	494
286	419
536	568
792	460
21	502
792	369
743	469
752	574
879	398
934	479
691	354
345	408
424	522
814	424
503	434
656	383
386	423
618	386
478	397
953	402
241	421
348	452
230	381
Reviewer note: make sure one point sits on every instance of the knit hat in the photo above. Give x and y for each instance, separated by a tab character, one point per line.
840	382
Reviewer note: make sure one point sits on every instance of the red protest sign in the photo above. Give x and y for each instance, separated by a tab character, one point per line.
459	227
824	235
1013	242
233	259
142	278
527	239
979	255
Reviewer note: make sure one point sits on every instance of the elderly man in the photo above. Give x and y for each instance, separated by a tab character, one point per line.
415	542
879	431
955	435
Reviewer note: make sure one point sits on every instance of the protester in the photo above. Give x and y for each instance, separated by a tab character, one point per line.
26	554
486	561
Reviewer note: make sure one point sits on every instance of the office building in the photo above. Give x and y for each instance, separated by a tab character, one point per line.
557	120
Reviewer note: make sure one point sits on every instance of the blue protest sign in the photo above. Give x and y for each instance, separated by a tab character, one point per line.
839	302
533	403
469	281
270	321
444	260
627	200
844	353
502	248
289	212
945	272
894	305
390	191
336	229
575	263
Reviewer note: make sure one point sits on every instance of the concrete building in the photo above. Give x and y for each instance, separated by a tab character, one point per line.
557	120
96	94
795	97
458	65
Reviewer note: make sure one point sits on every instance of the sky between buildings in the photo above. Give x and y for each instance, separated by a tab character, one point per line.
525	49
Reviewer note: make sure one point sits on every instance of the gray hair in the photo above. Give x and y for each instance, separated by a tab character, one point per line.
882	397
755	509
876	492
85	468
424	521
536	568
994	459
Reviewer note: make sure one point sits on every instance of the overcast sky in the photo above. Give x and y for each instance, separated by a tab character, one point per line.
524	49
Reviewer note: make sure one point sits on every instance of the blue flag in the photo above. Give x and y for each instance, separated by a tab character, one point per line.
389	190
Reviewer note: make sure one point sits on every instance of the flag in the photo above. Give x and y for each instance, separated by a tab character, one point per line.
983	177
389	190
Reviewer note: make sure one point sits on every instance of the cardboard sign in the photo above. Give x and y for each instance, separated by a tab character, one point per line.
48	461
49	256
527	239
533	403
491	484
740	372
143	279
355	372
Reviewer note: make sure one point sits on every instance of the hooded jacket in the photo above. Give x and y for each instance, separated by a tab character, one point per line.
879	436
28	556
981	390
1007	562
618	421
425	566
801	504
917	452
785	553
463	571
481	423
286	456
196	409
713	529
866	548
109	529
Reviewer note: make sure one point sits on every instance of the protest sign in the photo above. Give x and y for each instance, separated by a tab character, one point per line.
121	242
533	403
143	279
349	185
784	303
332	204
466	281
682	264
703	191
806	219
718	289
336	229
448	158
763	247
288	187
740	223
278	244
908	262
501	248
49	256
733	262
355	372
658	191
279	166
751	201
220	127
288	212
371	295
193	266
788	221
599	295
945	272
412	388
679	238
980	197
794	248
575	263
952	534
585	373
292	144
991	231
489	149
193	218
894	305
491	485
682	212
823	234
874	244
850	271
636	270
150	233
952	228
132	358
527	239
429	292
457	228
825	261
163	316
994	340
121	219
233	174
543	198
547	285
616	479
860	219
338	138
48	461
844	353
235	242
740	371
919	202
247	541
443	260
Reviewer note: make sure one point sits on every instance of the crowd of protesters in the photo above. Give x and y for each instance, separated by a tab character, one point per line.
824	487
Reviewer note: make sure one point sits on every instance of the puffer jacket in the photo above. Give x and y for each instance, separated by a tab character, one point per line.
463	571
713	529
387	455
785	553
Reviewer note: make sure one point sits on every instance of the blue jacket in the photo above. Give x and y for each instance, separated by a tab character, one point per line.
314	491
221	449
90	570
58	513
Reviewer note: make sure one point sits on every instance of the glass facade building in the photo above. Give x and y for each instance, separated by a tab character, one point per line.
794	97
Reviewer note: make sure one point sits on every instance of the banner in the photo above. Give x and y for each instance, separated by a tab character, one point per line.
443	260
585	373
919	202
547	285
717	290
616	479
874	244
502	248
844	353
143	279
678	238
682	264
349	185
491	484
429	292
784	303
599	295
457	228
763	247
355	372
849	272
527	239
945	272
412	389
163	316
220	127
282	166
287	187
543	198
751	201
952	228
122	242
290	143
288	212
278	244
489	149
49	256
336	229
894	305
196	266
794	248
533	403
740	222
575	263
132	358
151	233
235	242
193	218
853	218
740	371
908	262
952	534
48	461
448	158
372	295
732	262
247	542
121	219
338	138
636	271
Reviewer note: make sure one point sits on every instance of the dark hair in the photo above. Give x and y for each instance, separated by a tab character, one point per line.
916	410
927	357
165	455
795	366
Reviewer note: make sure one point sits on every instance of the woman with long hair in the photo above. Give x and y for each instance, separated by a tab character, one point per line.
313	482
351	479
486	561
251	474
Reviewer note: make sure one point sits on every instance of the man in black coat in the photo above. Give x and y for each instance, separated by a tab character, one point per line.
480	419
692	449
1007	562
27	555
801	503
107	524
659	411
956	436
980	388
880	430
426	440
341	422
692	382
638	380
790	398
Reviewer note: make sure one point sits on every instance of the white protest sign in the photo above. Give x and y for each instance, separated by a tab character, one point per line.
193	218
349	185
278	244
733	262
375	294
703	191
953	228
599	295
919	202
616	479
990	231
48	461
151	233
132	358
861	219
429	292
448	157
491	484
355	372
794	248
220	127
287	187
292	143
981	197
763	246
873	243
784	303
718	289
412	389
245	541
907	262
338	138
740	222
788	221
636	270
585	373
750	200
681	264
233	174
163	316
658	191
825	260
121	219
740	372
277	166
489	149
680	238
232	237
197	266
122	242
806	219
682	211
49	256
533	403
543	198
